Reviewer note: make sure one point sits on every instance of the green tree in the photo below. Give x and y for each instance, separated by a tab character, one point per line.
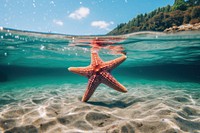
187	18
179	5
136	22
120	25
193	2
195	12
182	12
167	8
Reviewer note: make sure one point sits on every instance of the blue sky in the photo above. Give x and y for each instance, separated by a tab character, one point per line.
75	17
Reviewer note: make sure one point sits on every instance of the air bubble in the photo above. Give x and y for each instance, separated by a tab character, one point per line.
17	37
53	3
34	4
42	47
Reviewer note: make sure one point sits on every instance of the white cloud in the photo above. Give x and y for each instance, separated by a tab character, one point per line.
58	22
80	13
101	24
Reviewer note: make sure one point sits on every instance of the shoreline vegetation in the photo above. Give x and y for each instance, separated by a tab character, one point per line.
182	16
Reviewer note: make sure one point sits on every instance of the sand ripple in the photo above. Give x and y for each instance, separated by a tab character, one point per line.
59	109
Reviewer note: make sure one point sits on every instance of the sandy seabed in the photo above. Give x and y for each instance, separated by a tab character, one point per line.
58	109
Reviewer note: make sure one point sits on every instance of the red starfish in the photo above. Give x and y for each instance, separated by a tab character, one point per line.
99	72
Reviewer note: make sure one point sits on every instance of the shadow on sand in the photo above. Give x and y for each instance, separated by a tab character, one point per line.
113	104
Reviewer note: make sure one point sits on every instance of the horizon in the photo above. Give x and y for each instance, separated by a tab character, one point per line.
73	17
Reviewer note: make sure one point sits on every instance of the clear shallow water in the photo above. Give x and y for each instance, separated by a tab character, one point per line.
160	68
26	56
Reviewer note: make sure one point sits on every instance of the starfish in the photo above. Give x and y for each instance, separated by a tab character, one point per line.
99	72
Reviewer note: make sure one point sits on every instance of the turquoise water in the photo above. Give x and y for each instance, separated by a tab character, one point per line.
34	66
31	59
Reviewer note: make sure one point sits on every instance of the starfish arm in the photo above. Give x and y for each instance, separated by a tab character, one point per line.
109	65
84	71
91	87
95	59
110	81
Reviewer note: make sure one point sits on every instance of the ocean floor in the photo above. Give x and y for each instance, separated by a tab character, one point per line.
146	108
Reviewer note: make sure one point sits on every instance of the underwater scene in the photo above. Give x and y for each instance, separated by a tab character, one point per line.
39	94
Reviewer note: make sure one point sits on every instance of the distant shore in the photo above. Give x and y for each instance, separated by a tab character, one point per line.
185	27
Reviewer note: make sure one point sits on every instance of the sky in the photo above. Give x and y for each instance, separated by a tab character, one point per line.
73	17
